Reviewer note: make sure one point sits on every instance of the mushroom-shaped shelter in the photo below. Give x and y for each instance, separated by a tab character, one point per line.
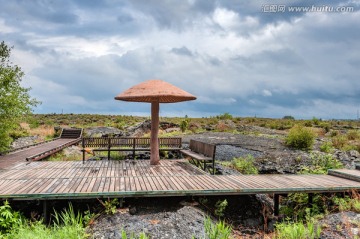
155	92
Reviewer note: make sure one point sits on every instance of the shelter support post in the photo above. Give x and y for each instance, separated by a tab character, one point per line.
154	143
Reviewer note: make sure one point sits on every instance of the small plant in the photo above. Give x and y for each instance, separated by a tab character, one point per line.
321	163
110	205
344	204
245	165
300	137
327	147
216	231
132	235
67	225
297	230
8	217
220	207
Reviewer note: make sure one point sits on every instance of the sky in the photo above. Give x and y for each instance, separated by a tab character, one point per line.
262	58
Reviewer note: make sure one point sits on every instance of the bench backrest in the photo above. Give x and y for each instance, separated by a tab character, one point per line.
130	142
203	148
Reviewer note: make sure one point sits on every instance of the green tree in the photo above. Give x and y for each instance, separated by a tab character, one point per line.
15	101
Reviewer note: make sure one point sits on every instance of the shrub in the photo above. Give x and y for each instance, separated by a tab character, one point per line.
339	141
220	207
225	116
325	126
8	218
300	137
245	165
316	121
353	135
308	123
184	125
327	147
288	117
321	163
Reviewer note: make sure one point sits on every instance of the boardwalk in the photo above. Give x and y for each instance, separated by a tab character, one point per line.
94	179
19	157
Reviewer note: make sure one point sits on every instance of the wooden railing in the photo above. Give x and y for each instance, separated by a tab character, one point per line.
129	144
51	151
27	146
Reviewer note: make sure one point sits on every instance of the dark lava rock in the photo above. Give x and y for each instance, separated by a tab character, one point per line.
158	218
103	132
340	225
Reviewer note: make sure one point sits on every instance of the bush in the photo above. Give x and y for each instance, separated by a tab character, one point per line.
353	135
321	163
8	218
325	126
225	116
184	124
339	141
245	165
327	147
300	137
288	117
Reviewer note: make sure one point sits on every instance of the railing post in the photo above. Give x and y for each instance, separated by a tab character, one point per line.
134	145
83	149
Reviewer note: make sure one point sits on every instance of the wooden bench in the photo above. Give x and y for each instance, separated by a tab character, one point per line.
130	144
201	154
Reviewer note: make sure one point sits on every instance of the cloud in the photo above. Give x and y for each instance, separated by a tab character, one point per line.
78	55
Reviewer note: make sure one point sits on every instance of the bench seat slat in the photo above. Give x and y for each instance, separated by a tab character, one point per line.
195	155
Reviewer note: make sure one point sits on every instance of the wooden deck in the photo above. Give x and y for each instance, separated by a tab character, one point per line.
19	157
96	179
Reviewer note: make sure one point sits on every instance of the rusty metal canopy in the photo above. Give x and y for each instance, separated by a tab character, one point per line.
155	91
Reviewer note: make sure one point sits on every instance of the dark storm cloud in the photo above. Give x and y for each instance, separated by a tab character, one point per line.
182	51
233	56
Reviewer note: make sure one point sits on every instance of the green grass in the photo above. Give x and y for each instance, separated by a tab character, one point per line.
67	225
298	230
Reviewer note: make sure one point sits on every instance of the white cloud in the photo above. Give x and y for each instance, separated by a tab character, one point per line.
266	93
5	29
269	64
